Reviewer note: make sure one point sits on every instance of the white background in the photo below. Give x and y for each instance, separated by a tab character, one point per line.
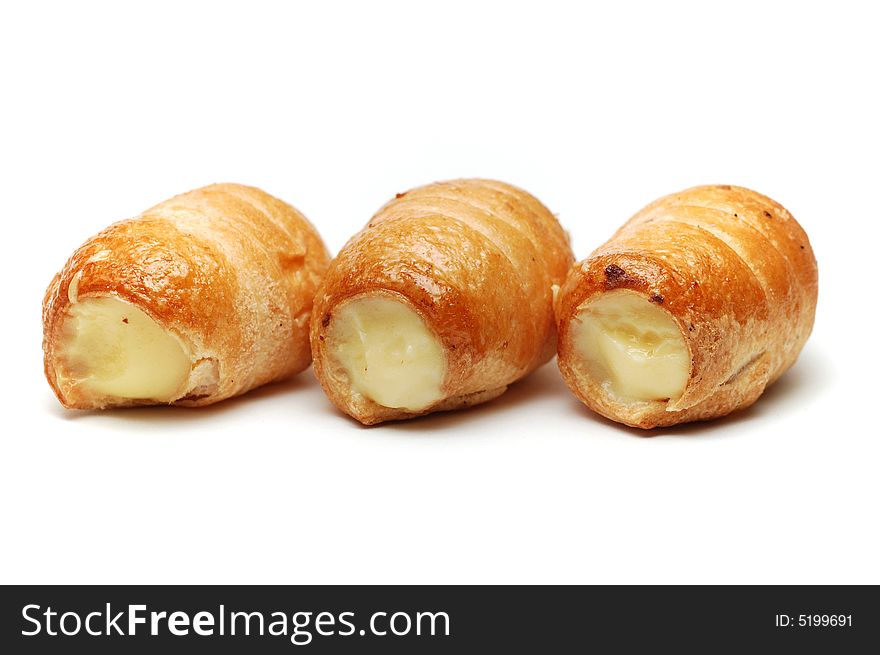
110	108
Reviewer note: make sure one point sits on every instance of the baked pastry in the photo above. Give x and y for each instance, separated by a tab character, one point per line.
690	310
203	297
440	302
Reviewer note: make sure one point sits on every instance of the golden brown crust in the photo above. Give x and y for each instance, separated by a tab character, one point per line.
477	259
737	274
229	269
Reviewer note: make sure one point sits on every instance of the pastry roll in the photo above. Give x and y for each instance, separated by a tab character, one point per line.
440	302
203	297
690	310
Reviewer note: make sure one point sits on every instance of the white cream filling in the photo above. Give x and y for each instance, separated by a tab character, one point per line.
633	346
388	352
111	348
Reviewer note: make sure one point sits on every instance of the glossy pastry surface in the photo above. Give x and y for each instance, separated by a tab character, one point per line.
203	297
690	310
440	302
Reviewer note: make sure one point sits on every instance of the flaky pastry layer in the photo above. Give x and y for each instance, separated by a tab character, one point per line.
476	261
734	271
227	271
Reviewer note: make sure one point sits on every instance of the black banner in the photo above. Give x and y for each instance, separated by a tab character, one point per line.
278	619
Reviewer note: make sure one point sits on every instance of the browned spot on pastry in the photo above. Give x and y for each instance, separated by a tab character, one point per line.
614	274
617	277
399	195
195	396
768	214
657	298
326	320
321	337
125	319
726	187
